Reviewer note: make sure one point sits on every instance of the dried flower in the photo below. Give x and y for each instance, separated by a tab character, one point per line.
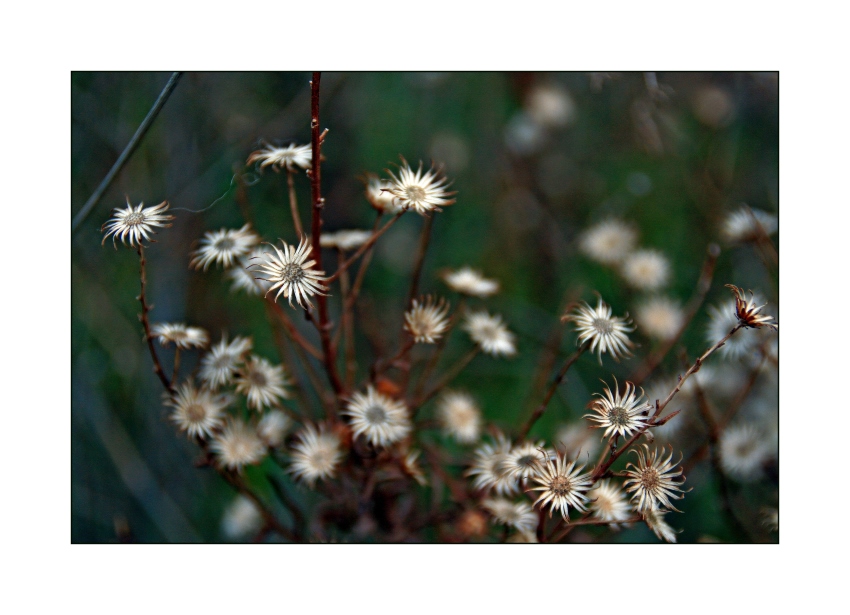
261	382
345	240
655	520
315	455
410	466
518	515
288	157
180	335
218	366
652	480
550	105
241	518
381	419
770	519
620	415
562	485
421	193
487	468
135	224
525	460
224	247
660	317
722	319
293	274
470	282
272	428
198	412
747	224
609	503
743	452
608	242
748	312
606	333
646	269
490	333
459	416
427	321
238	445
379	196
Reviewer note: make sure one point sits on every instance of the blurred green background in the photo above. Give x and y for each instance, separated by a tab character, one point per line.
671	152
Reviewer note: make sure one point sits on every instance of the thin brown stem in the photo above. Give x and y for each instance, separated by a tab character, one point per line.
447	377
293	203
157	366
362	249
424	240
383	365
441	344
551	391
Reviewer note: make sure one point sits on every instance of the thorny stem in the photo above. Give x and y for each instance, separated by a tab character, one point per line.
654	359
447	377
293	203
363	248
157	366
324	324
602	467
551	391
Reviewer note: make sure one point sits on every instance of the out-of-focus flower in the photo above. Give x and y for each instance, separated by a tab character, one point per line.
646	269
743	452
420	192
224	247
660	317
315	455
578	440
620	415
289	157
748	313
136	224
490	333
655	520
379	196
427	321
180	335
551	106
198	412
653	480
518	515
608	242
609	503
562	485
713	106
606	333
487	468
770	519
381	419
241	518
238	445
261	382
470	282
219	365
525	460
243	277
747	224
411	467
345	240
459	416
272	428
294	275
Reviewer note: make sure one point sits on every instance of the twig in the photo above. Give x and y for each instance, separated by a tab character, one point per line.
128	151
176	364
447	377
157	366
362	249
424	239
441	344
551	391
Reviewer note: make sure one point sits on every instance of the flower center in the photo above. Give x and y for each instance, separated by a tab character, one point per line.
415	193
224	244
376	415
649	478
527	461
292	273
560	486
224	361
134	218
196	412
603	325
258	378
619	416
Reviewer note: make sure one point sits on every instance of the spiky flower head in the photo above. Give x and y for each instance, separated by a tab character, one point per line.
606	333
525	460
261	382
459	416
238	445
608	242
748	312
289	157
379	196
180	335
219	365
224	247
487	467
609	503
315	455
747	224
620	415
743	452
420	192
562	485
291	272
381	419
646	269
655	521
518	515
135	224
272	428
198	412
468	281
490	333
660	317
722	319
652	482
427	320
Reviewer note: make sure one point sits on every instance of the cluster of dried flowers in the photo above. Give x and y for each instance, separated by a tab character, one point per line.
240	408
